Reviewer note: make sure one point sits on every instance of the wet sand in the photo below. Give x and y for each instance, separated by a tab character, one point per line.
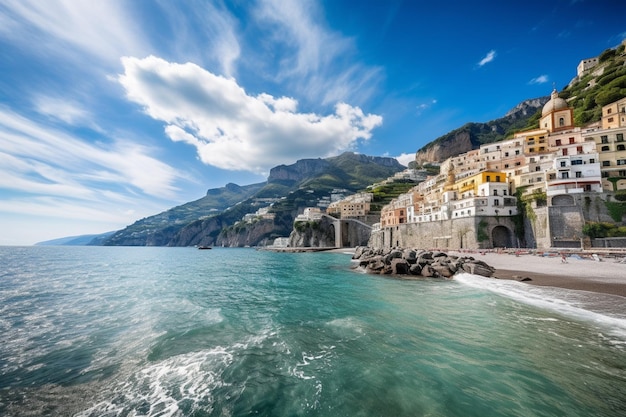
606	276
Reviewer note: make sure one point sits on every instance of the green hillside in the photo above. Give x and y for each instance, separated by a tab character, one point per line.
600	86
293	186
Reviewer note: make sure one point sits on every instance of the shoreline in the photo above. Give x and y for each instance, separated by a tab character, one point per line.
606	276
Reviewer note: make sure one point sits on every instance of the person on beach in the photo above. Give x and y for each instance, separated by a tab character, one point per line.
563	259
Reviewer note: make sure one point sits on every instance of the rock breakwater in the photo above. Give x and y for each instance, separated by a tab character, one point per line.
406	261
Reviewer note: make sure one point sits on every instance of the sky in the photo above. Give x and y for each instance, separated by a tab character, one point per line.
116	110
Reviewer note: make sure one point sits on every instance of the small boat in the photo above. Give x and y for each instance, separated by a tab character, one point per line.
204	247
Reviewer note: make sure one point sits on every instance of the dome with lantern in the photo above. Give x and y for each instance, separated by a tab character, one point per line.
555	103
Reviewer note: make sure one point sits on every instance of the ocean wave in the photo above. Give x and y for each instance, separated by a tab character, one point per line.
603	310
184	382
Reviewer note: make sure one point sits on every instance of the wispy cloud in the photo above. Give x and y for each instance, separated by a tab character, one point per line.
40	160
231	129
491	55
101	29
424	106
316	62
542	79
63	109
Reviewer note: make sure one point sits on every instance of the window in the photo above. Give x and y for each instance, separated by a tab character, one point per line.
577	162
622	173
564	175
604	139
571	140
537	168
606	163
558	142
620	137
579	149
610	120
621	147
496	202
517	152
609	111
497	178
579	174
605	148
592	161
506	154
565	152
621	162
563	163
495	192
488	178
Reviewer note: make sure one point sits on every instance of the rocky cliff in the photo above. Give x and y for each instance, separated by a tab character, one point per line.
472	135
313	234
300	170
216	218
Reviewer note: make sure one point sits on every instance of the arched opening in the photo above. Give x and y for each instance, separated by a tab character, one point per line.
563	200
502	237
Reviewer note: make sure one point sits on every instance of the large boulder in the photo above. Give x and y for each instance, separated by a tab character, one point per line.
399	266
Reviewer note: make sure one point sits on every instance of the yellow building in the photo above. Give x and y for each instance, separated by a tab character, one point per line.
614	114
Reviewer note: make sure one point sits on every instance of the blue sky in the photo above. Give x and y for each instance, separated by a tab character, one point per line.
116	110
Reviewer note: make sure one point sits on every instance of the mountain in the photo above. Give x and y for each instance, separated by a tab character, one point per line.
216	219
81	240
156	230
472	135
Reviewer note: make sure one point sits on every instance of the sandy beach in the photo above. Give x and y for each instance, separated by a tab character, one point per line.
605	276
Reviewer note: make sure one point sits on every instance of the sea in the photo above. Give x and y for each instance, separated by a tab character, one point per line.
150	331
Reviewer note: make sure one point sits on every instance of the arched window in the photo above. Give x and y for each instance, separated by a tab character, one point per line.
561	121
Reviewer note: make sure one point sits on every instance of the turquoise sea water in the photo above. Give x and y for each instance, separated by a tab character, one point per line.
97	331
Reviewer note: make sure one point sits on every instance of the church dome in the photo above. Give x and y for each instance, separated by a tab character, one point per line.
555	103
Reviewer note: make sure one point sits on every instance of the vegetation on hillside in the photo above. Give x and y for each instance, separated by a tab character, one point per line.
600	86
314	179
383	194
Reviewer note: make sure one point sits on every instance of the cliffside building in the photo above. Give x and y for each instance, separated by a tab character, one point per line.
558	168
585	65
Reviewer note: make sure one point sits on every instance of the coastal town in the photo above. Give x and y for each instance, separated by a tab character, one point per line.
545	187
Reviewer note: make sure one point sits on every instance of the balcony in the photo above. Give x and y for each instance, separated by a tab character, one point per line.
564	189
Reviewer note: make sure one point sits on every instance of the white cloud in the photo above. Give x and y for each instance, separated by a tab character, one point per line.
40	160
203	32
231	129
491	55
405	158
313	60
424	106
62	109
104	29
542	79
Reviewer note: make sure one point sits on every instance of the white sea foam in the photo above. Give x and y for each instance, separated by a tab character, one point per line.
603	310
160	388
